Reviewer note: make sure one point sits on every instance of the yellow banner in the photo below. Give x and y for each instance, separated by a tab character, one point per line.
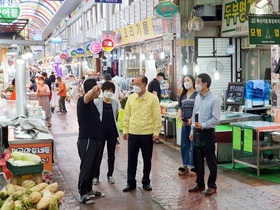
136	32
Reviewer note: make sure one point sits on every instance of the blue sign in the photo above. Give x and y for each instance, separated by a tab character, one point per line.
80	51
109	1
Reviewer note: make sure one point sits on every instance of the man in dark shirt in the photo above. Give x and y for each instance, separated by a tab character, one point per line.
154	86
52	78
89	140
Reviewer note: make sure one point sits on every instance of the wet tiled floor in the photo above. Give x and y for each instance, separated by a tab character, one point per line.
170	191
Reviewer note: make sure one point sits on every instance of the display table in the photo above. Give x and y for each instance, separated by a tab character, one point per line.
42	148
247	139
169	118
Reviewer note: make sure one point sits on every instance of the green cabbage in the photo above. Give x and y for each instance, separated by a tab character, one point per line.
26	157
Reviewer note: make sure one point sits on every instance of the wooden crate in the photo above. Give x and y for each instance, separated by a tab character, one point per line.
35	177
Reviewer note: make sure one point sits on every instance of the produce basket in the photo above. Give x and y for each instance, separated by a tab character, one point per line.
19	170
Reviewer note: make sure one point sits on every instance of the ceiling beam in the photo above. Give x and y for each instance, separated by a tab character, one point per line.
21	42
211	2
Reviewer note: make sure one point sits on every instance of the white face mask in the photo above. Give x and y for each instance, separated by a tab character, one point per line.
187	85
136	89
108	94
198	87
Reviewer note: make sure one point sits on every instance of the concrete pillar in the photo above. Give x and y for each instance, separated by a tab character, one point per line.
20	82
184	48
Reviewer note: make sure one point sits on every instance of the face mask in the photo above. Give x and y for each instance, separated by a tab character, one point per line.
198	87
187	85
108	94
162	82
136	89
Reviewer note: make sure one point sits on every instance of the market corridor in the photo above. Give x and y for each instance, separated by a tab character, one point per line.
170	191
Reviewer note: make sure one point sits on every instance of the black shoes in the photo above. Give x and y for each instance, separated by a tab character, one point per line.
147	187
210	191
196	188
128	188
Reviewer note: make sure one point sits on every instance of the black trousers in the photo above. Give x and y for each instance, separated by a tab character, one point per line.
135	143
204	147
111	138
89	151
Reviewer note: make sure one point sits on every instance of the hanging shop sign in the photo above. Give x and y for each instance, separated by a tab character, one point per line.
87	49
109	1
10	11
264	29
234	22
95	47
166	9
56	40
73	53
107	45
63	56
80	52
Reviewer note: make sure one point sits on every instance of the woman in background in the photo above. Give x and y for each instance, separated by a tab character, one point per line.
108	110
43	92
186	104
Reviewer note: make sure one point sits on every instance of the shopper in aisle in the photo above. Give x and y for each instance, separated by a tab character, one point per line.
48	82
108	109
141	126
62	95
117	96
154	87
52	78
89	140
206	115
186	103
43	92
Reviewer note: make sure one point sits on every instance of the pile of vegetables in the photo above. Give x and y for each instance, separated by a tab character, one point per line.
30	196
23	159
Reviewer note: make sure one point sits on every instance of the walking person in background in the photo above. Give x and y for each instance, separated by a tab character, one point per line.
186	103
43	93
48	82
141	126
206	115
89	141
154	87
52	78
108	109
62	95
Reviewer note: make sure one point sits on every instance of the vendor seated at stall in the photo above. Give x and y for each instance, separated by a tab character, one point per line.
10	92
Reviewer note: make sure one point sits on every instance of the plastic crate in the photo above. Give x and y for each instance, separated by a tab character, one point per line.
20	170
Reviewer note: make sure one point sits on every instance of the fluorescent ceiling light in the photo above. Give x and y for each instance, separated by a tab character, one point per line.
261	3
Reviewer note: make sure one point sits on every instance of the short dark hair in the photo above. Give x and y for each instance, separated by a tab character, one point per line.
89	84
108	86
58	78
144	79
205	78
13	82
44	74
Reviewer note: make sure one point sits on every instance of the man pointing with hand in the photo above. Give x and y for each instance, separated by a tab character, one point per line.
141	126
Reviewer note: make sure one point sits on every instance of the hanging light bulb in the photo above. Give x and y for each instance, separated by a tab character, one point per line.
216	75
162	54
196	68
134	56
151	56
143	57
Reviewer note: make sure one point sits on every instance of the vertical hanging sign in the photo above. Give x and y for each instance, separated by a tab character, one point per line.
10	11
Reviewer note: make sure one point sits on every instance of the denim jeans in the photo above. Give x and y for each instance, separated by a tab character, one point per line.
186	147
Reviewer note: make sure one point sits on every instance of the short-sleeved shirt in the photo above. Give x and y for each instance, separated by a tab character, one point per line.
155	86
187	105
62	87
88	120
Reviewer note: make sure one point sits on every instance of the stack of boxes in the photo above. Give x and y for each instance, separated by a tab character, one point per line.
257	93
